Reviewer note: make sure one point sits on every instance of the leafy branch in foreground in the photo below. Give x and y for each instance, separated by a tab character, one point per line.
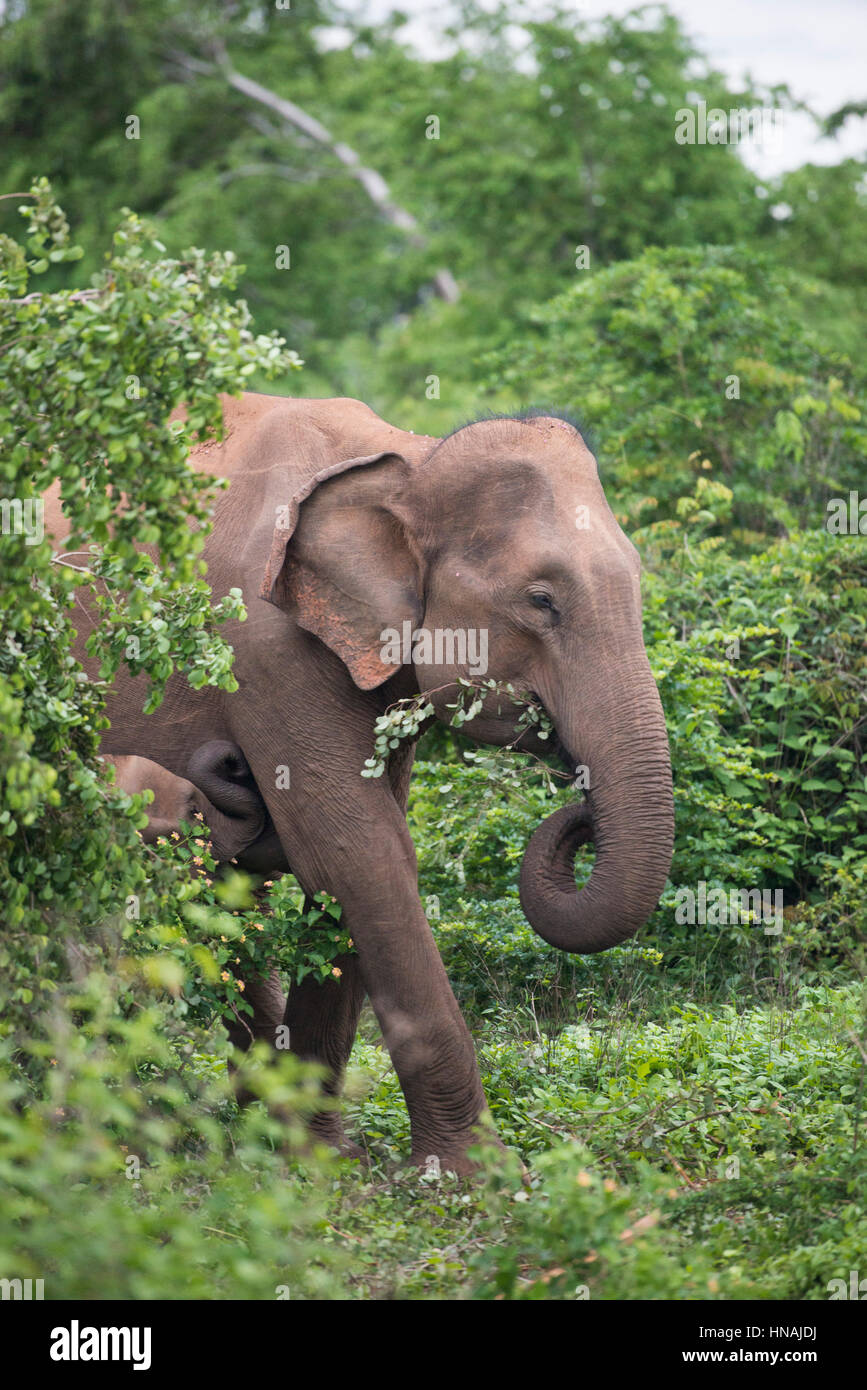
103	391
403	720
219	932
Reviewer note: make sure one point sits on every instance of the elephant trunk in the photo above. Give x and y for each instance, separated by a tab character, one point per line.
629	815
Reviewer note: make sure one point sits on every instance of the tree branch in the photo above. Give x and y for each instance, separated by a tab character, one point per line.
283	171
374	185
73	295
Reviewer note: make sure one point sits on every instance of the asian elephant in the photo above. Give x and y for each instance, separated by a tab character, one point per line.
342	530
240	831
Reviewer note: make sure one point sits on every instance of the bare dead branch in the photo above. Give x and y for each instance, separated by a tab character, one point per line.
283	171
444	284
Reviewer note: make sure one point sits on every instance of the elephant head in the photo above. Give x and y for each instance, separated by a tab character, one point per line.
221	790
234	811
503	531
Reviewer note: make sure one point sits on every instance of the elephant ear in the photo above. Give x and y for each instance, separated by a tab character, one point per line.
345	561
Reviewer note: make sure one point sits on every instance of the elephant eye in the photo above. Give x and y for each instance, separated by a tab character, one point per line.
545	602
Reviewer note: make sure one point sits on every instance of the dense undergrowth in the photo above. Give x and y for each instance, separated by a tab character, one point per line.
674	1150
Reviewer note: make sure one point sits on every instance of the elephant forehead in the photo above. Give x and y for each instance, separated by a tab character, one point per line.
506	430
485	510
519	494
493	451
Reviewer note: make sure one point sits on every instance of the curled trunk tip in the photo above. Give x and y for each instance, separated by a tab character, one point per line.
622	891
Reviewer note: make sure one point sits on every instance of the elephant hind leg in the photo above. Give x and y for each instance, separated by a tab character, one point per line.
268	1002
323	1020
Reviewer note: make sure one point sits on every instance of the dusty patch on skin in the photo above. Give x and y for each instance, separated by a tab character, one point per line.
547	424
551	422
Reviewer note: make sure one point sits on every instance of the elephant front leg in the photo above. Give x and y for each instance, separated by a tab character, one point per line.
400	969
349	838
398	965
429	1044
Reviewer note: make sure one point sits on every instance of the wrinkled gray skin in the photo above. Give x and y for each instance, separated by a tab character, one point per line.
230	805
346	526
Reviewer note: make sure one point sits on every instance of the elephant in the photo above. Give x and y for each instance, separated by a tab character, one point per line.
240	831
341	530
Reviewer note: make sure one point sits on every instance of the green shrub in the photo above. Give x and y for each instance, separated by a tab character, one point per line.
128	1171
690	360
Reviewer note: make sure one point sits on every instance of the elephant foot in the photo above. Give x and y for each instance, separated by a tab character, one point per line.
433	1165
452	1156
328	1129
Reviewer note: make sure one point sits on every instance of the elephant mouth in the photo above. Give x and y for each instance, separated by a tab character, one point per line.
574	821
562	755
557	749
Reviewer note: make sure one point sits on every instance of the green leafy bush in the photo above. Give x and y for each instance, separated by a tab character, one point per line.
217	931
125	1170
686	361
90	380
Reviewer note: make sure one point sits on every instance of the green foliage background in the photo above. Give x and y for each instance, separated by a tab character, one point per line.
690	1106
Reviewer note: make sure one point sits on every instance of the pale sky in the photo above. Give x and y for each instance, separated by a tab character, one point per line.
818	49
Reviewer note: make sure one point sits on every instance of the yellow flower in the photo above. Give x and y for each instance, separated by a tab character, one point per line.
349	942
224	938
269	883
197	859
336	973
175	835
243	938
258	926
241	984
224	975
